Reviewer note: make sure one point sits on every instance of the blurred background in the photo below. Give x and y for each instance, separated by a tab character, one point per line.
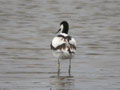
27	28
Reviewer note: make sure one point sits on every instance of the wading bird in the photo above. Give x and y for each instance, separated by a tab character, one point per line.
63	46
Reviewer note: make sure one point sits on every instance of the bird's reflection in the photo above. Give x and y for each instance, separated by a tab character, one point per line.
62	83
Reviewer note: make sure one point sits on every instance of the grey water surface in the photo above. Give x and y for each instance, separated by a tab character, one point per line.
27	28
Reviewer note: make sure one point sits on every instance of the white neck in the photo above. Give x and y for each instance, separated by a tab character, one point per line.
63	34
61	28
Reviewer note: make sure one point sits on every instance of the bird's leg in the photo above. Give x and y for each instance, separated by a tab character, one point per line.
69	70
58	66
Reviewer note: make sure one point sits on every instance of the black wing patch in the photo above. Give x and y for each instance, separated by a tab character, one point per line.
62	46
67	37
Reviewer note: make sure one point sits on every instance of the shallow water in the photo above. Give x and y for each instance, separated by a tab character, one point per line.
27	28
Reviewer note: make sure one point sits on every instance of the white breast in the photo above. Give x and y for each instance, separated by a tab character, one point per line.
57	41
63	48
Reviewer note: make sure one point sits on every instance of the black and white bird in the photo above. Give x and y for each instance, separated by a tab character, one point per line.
63	46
